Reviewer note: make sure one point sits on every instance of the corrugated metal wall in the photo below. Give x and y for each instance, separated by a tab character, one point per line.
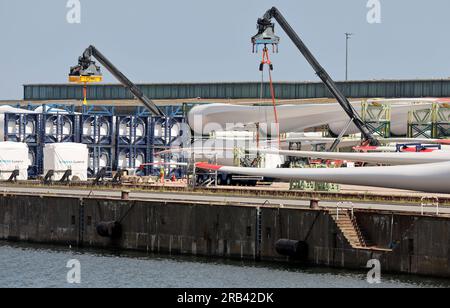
287	90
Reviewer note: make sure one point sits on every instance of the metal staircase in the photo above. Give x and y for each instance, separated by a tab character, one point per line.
349	227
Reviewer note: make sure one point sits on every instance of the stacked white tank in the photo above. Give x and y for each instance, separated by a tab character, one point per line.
11	126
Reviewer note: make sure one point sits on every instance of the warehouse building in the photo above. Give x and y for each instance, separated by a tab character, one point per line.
242	90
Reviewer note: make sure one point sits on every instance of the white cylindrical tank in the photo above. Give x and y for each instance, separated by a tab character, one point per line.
132	130
103	161
127	160
12	127
13	156
91	124
63	156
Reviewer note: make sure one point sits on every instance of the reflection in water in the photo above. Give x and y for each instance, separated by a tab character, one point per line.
43	266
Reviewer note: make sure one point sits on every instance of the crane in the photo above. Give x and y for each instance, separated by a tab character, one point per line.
266	36
87	71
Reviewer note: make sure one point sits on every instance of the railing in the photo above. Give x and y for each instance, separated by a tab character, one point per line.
345	206
429	201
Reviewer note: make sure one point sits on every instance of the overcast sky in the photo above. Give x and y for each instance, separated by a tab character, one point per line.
208	40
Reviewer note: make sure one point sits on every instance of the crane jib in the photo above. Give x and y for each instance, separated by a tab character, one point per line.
87	71
266	31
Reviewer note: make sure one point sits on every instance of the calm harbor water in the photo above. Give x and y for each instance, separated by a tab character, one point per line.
33	266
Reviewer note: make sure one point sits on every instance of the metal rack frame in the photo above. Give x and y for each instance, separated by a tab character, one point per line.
95	153
432	122
21	121
112	144
132	152
377	117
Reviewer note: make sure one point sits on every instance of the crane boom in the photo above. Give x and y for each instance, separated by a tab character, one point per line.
266	36
87	67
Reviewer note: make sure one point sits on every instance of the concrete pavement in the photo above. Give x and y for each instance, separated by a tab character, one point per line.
245	201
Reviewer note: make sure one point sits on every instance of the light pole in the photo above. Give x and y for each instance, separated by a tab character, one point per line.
347	38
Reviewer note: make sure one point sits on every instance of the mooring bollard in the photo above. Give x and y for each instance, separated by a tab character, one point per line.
314	204
125	194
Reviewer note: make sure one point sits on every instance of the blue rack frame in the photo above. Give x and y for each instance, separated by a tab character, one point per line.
32	140
96	123
132	152
175	115
132	138
21	121
59	121
58	109
36	169
98	110
95	155
113	144
166	124
60	114
169	111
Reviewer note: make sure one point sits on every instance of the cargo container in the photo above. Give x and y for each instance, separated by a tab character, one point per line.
13	156
61	157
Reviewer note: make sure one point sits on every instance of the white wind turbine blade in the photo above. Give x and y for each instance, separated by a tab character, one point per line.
432	178
376	158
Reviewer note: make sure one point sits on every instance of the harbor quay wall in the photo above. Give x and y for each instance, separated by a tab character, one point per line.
406	243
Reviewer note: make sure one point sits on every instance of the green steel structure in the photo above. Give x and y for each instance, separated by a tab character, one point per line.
442	124
312	186
431	122
247	90
377	117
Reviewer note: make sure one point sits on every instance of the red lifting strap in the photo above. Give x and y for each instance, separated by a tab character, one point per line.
266	60
265	57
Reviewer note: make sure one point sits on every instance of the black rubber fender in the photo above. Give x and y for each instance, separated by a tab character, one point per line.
297	250
110	229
